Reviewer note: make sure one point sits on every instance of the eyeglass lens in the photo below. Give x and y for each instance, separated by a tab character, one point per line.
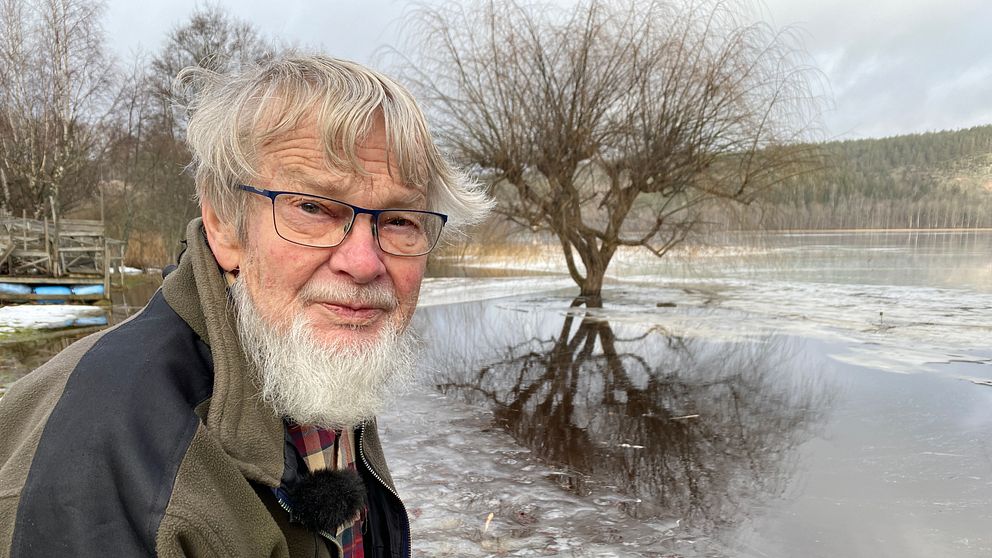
324	223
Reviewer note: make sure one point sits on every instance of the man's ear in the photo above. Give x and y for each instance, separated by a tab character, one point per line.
222	237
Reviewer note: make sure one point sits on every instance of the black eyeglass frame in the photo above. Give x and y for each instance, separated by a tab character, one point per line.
356	211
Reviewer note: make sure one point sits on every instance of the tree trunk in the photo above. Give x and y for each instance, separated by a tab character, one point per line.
592	286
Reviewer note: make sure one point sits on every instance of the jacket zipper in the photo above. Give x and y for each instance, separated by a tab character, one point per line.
406	516
323	533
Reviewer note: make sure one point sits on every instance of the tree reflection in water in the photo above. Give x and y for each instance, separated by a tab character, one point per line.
695	429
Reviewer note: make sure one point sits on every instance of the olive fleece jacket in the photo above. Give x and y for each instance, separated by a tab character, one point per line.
150	438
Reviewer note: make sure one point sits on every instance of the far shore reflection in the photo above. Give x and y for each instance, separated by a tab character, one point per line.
693	429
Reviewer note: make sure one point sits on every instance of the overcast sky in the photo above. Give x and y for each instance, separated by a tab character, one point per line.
893	66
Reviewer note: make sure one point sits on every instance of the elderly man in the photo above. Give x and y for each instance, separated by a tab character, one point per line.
234	416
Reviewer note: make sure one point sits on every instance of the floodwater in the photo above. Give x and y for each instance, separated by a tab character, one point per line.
814	395
791	395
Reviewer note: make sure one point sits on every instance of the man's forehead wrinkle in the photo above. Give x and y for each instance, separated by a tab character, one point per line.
376	159
299	160
288	150
315	171
334	185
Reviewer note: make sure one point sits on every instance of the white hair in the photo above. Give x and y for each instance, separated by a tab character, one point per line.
232	114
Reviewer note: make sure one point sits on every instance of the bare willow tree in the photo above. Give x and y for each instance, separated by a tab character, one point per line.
611	124
56	98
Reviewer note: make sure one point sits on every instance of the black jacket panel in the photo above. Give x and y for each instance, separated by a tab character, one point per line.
103	472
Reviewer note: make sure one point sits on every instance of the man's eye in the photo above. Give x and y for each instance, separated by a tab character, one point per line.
310	207
400	222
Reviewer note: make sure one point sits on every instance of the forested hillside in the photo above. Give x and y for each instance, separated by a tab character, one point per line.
931	180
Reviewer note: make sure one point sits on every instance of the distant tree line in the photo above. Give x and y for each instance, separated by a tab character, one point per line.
931	180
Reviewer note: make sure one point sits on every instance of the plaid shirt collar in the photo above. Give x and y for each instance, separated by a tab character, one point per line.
331	449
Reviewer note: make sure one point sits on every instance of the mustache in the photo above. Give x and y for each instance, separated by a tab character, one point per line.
376	295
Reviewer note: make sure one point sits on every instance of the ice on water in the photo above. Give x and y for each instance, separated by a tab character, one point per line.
457	468
44	316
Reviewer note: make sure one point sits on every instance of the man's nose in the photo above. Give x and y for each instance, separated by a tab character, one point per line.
359	255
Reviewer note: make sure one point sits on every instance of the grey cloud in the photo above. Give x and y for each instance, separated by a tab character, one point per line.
899	67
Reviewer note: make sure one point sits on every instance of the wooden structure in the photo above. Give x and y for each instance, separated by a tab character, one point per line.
57	252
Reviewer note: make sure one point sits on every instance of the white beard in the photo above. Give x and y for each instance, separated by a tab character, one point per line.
318	383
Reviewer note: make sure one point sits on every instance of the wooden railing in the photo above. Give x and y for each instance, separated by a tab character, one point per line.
62	248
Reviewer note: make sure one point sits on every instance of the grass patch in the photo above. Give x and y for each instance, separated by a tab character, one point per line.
26	334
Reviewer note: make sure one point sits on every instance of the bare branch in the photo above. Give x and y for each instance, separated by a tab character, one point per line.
587	117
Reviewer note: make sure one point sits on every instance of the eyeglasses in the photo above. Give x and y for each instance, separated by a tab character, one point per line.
321	222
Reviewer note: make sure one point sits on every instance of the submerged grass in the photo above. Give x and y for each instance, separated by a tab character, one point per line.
26	335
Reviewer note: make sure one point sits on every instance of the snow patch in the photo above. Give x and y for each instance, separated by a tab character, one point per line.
48	316
126	270
452	290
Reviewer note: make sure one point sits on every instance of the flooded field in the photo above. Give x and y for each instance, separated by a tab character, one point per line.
776	396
